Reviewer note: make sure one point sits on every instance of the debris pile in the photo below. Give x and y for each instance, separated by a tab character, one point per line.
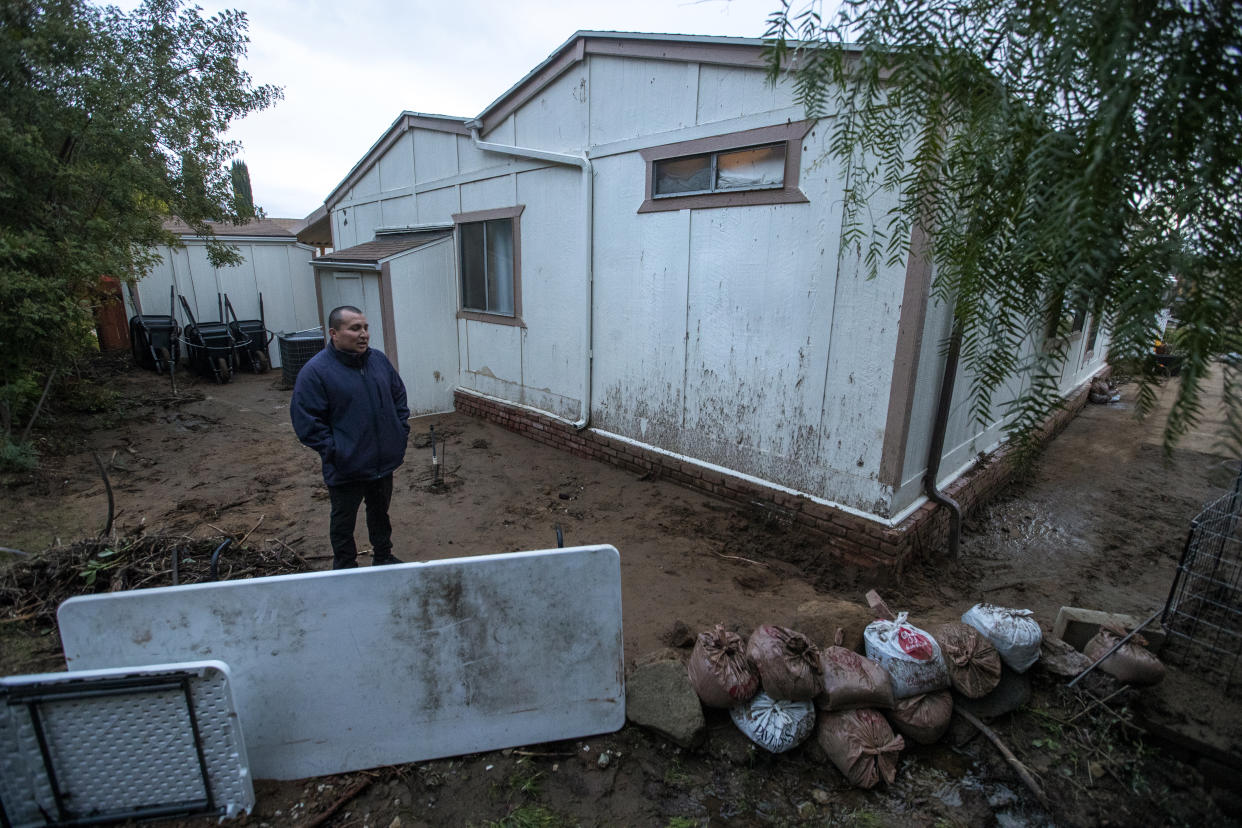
31	588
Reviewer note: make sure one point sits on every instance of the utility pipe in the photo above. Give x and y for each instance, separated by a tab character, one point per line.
937	445
583	163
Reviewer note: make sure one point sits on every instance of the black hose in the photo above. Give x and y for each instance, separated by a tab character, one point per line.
937	445
108	487
176	565
560	537
215	559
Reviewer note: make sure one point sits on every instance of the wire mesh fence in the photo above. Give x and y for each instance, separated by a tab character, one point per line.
1203	616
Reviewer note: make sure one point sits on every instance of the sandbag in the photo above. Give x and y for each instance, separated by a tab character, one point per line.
777	725
861	744
1013	632
851	681
720	671
911	656
787	661
1132	663
923	718
973	664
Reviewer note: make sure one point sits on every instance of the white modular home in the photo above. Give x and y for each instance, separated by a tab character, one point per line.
274	264
635	253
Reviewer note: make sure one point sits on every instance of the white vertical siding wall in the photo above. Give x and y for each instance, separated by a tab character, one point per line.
279	270
424	306
360	289
740	335
965	437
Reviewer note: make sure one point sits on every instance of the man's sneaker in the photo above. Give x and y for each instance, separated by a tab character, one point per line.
386	560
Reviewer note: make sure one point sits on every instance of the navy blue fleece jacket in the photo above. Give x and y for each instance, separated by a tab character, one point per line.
351	408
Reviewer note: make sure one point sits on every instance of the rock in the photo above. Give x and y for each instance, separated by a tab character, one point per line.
678	635
805	809
603	761
821	796
396	822
1013	691
819	618
1076	626
1061	659
658	695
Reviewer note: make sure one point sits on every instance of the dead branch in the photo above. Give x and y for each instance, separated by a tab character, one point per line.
1023	773
736	558
256	526
355	789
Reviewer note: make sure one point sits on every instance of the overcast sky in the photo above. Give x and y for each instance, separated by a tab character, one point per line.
350	67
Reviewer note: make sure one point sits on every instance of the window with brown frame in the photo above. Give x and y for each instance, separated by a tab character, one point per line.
489	264
757	166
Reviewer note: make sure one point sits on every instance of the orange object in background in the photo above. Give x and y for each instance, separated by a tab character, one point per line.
110	322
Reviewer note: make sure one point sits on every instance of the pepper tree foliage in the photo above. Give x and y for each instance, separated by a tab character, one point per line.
1065	156
110	122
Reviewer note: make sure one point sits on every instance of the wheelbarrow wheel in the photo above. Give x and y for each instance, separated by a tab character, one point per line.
162	360
262	363
222	371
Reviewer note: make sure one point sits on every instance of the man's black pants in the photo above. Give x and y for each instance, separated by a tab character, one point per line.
345	500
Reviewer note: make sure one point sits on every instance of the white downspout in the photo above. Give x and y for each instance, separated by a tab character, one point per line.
583	163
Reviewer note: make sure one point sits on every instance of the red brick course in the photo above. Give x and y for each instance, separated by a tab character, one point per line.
852	538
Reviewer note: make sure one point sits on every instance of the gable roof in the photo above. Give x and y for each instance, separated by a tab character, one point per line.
405	122
371	254
729	51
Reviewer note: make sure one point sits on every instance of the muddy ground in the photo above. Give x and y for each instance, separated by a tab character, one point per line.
1101	524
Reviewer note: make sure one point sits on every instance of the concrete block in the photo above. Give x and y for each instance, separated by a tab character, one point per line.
1076	626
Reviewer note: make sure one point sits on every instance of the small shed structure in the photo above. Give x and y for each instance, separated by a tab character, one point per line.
274	264
635	253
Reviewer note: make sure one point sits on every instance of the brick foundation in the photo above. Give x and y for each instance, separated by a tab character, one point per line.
853	539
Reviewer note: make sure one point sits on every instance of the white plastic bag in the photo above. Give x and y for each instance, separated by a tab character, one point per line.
776	725
911	656
1013	632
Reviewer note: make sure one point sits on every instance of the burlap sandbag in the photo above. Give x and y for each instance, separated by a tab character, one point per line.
788	663
851	681
923	718
719	669
861	744
974	665
1132	663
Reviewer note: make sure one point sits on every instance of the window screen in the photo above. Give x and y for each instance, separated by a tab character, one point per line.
487	266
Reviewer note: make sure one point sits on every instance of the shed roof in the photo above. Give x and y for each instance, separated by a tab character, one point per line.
382	248
258	228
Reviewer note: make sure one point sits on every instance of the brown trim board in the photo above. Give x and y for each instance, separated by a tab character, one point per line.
514	213
387	316
906	358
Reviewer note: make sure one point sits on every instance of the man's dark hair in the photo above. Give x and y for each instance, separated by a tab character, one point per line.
337	316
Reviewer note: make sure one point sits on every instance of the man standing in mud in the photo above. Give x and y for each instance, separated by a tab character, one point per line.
349	405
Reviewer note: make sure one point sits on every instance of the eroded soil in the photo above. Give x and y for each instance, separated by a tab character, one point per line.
1101	525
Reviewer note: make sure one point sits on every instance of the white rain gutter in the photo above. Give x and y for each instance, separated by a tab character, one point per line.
583	163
